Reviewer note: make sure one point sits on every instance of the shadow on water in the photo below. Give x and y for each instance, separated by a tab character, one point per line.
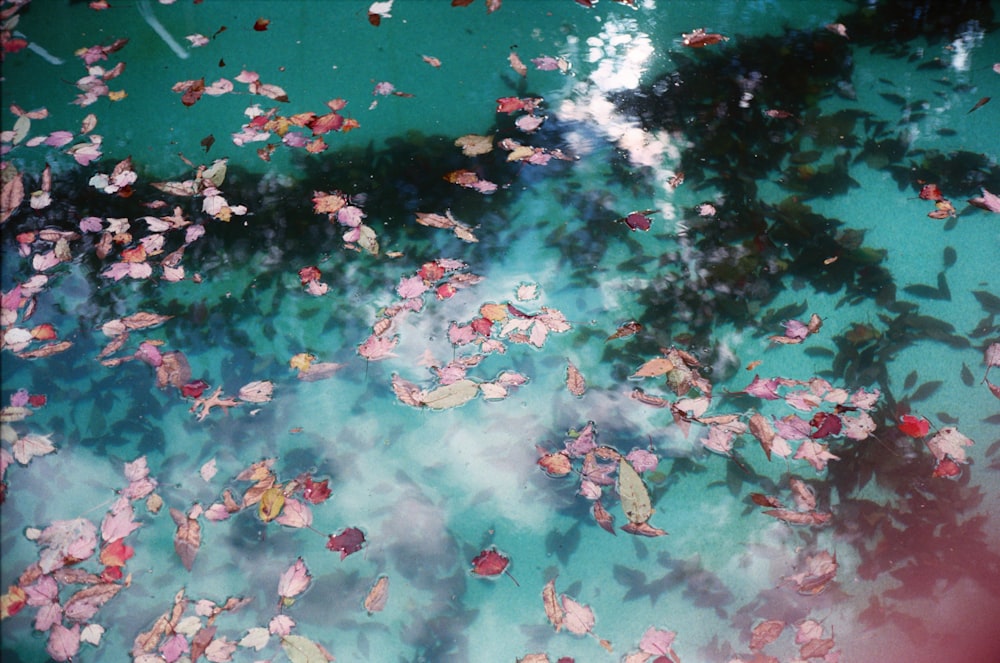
729	267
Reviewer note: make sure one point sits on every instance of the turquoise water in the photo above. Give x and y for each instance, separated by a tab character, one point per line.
813	208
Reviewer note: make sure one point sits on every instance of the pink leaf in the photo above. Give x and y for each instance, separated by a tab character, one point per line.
294	580
766	389
64	643
949	442
642	460
718	440
815	454
578	618
377	347
413	286
461	334
657	642
281	625
174	647
119	524
47	616
295	514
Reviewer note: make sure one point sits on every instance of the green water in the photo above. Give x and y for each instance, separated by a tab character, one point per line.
817	212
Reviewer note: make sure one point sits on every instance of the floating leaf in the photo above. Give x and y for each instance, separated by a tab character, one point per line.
271	502
187	540
553	610
474	145
293	582
377	596
303	650
348	541
575	382
451	395
633	494
578	618
259	391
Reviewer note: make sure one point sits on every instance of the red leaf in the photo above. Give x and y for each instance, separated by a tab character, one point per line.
825	424
348	541
913	426
260	25
316	491
637	221
946	468
931	192
489	563
310	273
194	389
116	553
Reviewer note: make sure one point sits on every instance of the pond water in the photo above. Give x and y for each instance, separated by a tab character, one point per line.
403	331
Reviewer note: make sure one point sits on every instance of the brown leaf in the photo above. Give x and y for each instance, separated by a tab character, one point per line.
556	464
13	193
603	518
175	371
143	319
643	529
84	604
627	329
805	497
553	610
765	633
816	648
516	64
187	540
201	640
46	350
377	595
575	382
798	518
761	499
761	429
654	368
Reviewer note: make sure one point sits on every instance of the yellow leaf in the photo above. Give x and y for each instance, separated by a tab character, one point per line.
271	503
117	95
302	361
494	312
473	145
520	152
